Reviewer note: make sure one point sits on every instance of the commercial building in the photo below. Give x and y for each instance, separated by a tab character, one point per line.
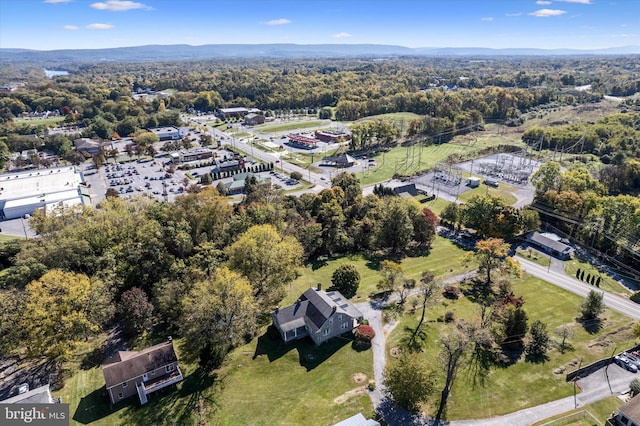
168	133
23	193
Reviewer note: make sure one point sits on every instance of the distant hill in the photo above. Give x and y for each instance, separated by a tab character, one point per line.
210	51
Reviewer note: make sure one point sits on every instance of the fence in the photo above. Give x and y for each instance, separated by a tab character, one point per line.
585	371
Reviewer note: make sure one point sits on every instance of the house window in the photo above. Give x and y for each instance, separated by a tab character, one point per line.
331	321
344	325
120	395
623	419
325	332
153	372
124	385
169	368
340	317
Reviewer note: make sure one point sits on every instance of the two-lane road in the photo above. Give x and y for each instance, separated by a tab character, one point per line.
612	301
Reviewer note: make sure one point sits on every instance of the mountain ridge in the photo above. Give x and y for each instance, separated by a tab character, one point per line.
282	50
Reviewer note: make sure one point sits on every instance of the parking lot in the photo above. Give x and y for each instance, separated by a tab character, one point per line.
133	179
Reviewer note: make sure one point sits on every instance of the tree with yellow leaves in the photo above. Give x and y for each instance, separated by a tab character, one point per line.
57	313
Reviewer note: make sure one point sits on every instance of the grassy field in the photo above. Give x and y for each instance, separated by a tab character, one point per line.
411	159
480	393
505	191
607	283
49	121
600	410
443	261
400	119
437	205
534	256
4	238
268	382
303	124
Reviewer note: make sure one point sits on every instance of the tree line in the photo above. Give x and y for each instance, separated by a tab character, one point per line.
162	263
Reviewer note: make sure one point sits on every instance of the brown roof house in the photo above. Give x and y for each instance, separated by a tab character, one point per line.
628	414
141	372
318	314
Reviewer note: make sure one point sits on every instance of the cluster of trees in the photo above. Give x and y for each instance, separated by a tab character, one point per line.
100	98
614	139
159	261
490	216
577	203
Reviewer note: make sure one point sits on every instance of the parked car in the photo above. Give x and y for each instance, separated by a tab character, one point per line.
625	363
634	359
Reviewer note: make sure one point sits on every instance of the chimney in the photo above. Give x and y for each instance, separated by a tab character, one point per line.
277	309
319	286
333	309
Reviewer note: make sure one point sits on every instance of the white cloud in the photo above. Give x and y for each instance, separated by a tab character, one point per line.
543	2
341	35
488	18
119	5
624	35
99	26
577	1
56	1
281	21
70	27
545	13
514	14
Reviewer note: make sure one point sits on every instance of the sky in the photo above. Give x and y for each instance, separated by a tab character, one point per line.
546	24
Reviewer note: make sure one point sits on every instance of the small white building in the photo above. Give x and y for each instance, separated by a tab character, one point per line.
168	133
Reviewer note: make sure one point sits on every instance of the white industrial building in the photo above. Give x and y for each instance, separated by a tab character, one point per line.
23	193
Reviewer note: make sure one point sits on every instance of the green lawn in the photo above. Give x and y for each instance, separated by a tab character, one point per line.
4	238
505	191
268	382
523	384
411	159
534	256
49	121
600	410
89	403
400	119
607	283
268	128
443	261
437	205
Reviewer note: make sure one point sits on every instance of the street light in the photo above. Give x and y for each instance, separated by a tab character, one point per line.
24	228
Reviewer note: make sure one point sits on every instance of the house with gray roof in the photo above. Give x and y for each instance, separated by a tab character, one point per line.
128	373
551	244
318	314
628	414
39	395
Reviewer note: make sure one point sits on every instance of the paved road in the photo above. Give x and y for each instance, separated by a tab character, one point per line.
283	166
612	301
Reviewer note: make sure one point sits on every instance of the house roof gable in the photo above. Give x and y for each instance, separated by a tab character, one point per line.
132	364
313	309
632	409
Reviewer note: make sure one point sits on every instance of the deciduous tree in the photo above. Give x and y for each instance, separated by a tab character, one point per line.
136	311
492	254
56	313
217	314
409	381
346	280
268	260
